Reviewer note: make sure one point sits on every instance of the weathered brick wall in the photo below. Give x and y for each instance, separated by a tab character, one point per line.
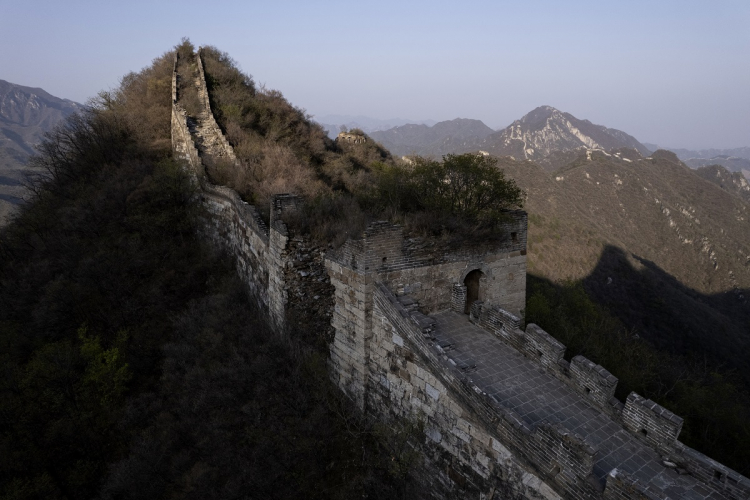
221	145
408	377
429	273
260	254
376	289
593	380
182	142
719	477
637	415
586	377
352	322
237	227
621	486
654	423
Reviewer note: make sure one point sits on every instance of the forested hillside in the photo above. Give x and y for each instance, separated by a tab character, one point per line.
133	364
344	185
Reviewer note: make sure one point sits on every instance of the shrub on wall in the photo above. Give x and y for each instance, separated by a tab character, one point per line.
469	186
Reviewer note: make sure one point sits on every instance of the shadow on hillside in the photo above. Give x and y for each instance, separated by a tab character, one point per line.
673	317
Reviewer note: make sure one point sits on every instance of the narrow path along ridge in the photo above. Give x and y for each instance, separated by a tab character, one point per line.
518	384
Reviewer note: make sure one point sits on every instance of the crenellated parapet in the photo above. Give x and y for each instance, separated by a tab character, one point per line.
389	354
414	374
559	432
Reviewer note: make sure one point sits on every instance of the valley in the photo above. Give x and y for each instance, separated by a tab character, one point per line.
652	258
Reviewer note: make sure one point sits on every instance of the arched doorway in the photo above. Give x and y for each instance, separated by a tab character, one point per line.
472	288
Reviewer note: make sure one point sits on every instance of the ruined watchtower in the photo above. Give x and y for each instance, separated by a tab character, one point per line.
351	138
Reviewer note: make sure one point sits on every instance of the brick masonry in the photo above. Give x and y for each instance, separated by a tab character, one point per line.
402	348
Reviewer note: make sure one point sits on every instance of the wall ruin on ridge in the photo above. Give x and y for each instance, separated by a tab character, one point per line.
372	299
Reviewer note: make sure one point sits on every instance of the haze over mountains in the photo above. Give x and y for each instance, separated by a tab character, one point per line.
545	135
665	246
459	135
26	114
541	135
600	208
333	123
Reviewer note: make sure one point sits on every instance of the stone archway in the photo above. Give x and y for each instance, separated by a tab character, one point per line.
472	288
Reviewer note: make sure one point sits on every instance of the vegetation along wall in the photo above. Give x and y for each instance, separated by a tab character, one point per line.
379	298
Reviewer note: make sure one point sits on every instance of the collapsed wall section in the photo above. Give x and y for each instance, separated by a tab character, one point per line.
259	252
379	354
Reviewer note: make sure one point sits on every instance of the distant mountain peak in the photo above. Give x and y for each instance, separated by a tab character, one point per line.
26	114
444	137
545	131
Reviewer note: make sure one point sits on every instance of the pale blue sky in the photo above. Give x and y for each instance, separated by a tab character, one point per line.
676	73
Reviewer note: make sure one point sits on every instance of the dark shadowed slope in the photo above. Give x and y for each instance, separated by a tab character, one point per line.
665	250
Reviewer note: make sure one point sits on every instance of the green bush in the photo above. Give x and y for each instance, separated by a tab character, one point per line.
469	186
282	151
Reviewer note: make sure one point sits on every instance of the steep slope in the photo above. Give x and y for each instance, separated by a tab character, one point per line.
545	131
459	135
26	114
547	136
731	182
731	163
666	251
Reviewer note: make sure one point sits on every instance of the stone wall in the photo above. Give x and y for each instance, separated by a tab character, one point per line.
429	272
721	478
183	145
377	291
650	422
586	377
261	253
352	323
654	423
410	380
219	143
410	377
381	355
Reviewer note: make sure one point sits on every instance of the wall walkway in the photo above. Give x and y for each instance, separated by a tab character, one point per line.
505	414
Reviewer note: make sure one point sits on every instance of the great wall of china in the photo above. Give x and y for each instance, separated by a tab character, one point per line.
505	415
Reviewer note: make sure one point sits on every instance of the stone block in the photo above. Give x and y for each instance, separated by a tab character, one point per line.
460	434
432	391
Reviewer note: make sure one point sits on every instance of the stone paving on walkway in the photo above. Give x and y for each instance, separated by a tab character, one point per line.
522	385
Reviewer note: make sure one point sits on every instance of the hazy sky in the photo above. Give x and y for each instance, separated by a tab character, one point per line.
676	73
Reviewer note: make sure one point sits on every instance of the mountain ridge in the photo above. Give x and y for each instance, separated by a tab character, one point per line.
677	235
545	135
441	138
26	114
